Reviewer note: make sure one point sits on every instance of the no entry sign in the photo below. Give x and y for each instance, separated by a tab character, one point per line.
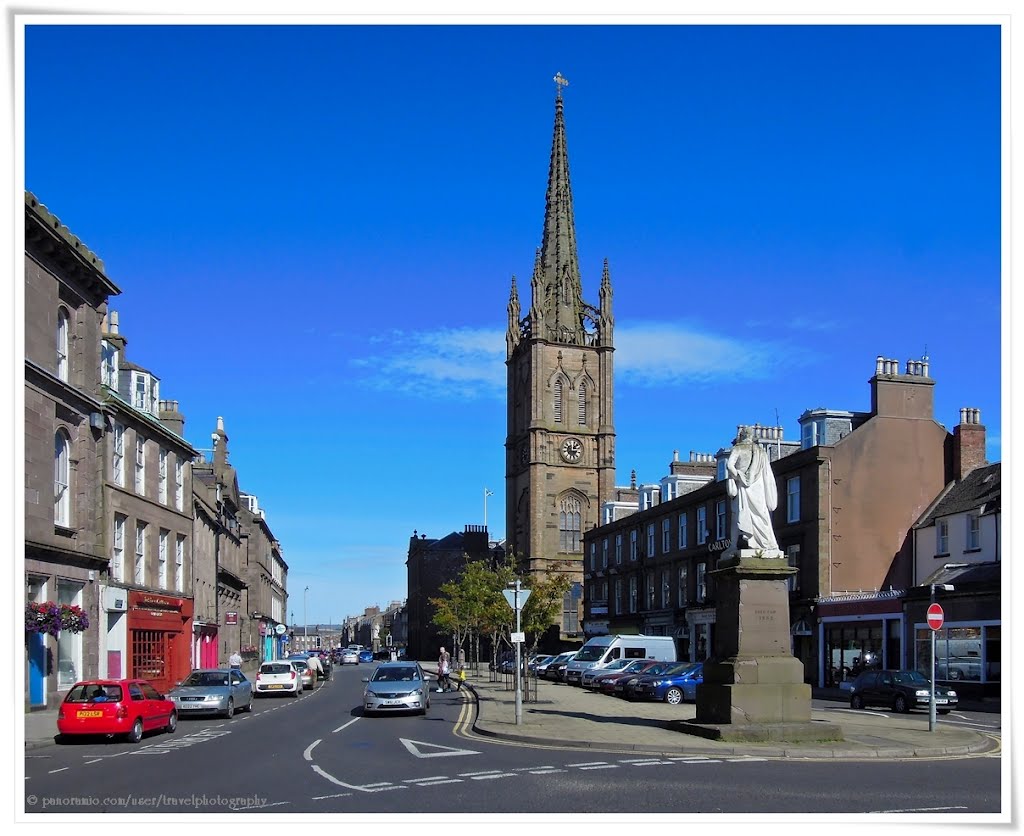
935	616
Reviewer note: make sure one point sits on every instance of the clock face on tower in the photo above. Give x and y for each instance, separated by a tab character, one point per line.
572	450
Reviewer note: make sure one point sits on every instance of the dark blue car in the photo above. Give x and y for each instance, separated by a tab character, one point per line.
673	686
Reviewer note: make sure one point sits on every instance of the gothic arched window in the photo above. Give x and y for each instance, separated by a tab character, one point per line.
569	525
558	401
583	404
61	479
62	344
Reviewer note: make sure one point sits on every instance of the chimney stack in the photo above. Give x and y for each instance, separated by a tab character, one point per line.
968	443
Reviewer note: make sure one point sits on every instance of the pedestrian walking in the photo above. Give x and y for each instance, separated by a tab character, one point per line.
444	669
235	661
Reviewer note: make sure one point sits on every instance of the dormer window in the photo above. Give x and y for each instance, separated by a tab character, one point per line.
145	392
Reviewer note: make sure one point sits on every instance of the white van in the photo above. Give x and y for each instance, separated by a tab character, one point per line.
603	650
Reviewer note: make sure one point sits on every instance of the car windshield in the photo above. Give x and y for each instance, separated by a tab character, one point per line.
402	674
619	664
677	669
94	693
206	678
591	654
276	669
910	678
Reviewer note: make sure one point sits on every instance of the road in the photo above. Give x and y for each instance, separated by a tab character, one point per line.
319	754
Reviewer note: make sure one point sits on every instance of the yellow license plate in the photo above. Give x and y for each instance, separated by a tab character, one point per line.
275	686
90	714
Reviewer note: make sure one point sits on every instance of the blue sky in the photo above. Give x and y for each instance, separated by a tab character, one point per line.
315	228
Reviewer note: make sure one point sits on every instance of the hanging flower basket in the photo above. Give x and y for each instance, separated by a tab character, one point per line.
48	617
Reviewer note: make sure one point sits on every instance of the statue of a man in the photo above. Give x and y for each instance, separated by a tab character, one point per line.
751	484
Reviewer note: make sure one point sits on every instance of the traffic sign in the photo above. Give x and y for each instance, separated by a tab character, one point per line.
510	596
935	616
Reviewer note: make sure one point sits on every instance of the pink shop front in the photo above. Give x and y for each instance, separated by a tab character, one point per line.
204	644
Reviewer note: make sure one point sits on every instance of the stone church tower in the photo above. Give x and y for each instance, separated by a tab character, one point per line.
560	447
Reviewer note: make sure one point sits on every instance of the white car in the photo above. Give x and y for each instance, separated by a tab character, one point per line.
349	656
278	677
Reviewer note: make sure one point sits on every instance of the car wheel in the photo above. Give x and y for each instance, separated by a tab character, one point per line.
673	696
229	712
172	723
857	701
135	735
248	707
900	705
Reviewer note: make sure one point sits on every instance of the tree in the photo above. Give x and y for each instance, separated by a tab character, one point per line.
544	606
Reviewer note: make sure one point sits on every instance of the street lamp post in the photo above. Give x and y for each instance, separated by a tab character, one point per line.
487	493
305	619
931	703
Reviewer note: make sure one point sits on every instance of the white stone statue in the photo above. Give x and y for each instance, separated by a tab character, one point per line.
751	484
376	632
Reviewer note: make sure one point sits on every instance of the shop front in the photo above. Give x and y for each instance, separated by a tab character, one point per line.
857	632
159	638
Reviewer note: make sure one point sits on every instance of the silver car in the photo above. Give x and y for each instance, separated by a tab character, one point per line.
212	691
396	686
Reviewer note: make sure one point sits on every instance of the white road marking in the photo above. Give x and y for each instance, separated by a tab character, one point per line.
349	723
586	763
414	748
606	766
921	810
308	754
481	772
488	777
335	795
446	781
53	771
545	770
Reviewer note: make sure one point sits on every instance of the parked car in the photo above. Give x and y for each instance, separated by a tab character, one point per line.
350	656
561	667
305	673
535	660
280	677
212	691
366	655
128	707
548	669
590	674
396	686
901	691
673	685
614	682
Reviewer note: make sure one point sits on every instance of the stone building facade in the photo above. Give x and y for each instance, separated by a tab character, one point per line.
560	443
66	538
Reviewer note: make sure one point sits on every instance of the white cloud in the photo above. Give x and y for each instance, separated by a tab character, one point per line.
470	362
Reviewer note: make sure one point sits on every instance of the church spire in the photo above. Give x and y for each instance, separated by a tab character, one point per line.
514	312
560	301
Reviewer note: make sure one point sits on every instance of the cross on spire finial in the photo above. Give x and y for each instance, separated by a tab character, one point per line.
560	82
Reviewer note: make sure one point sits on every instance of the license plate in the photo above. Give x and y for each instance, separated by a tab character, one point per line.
275	686
938	701
90	714
393	702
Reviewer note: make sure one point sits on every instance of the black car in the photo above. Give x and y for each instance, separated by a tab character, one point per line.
900	690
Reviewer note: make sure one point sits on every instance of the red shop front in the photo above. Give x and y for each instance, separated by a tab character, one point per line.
159	638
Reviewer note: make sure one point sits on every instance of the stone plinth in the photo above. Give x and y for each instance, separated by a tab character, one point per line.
753	687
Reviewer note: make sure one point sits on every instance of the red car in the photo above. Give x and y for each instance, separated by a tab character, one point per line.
115	706
614	683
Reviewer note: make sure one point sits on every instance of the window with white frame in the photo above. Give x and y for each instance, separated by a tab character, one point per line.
632	544
702	525
162	477
682	532
68	664
108	365
702	582
720	469
161	558
942	537
179	484
140	390
666	589
793	499
604	553
618	549
650	540
632	594
140	553
683	592
558	401
61	478
118	454
140	465
793	559
666	535
582	404
117	561
179	563
650	590
721	530
812	433
973	531
62	344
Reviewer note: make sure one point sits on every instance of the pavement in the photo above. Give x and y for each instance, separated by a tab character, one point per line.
573	717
